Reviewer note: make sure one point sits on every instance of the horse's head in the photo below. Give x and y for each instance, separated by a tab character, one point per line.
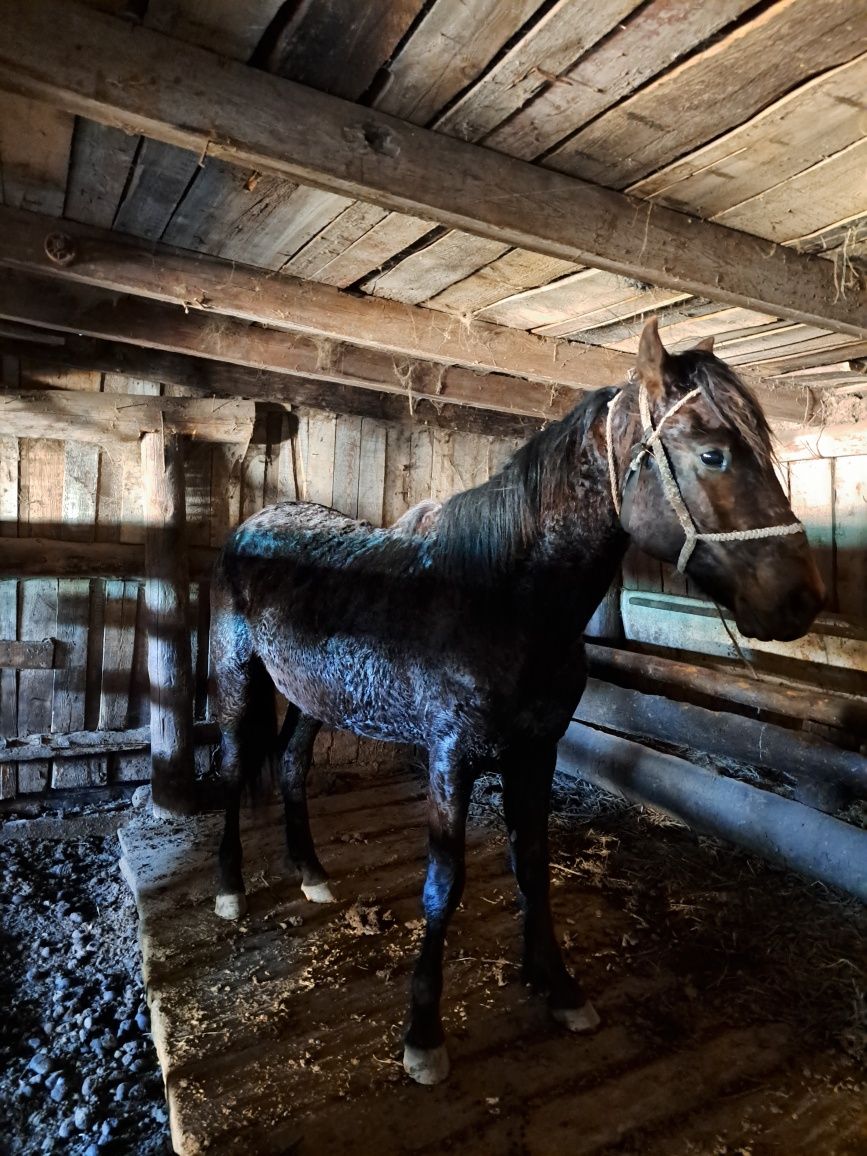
692	491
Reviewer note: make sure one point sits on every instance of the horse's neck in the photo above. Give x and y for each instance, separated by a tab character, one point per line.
580	543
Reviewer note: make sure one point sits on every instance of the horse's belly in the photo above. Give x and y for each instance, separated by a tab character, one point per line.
353	687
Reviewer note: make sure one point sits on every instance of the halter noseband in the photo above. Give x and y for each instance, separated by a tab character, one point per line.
651	443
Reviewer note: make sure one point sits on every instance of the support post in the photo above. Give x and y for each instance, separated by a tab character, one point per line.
167	587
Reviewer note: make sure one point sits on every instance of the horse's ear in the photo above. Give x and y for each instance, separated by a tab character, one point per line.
650	363
705	344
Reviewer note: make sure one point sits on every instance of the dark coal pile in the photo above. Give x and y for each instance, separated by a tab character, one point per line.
78	1070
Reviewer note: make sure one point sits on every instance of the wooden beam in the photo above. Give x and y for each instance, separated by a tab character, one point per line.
112	261
82	309
93	65
167	601
220	378
57	558
72	415
226	356
650	671
84	744
816	845
800	755
27	655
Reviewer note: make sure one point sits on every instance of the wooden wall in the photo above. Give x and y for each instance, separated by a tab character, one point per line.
364	468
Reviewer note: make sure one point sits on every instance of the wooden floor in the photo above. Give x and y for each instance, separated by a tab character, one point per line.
283	1033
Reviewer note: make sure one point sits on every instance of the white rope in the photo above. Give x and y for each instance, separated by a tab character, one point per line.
651	443
609	448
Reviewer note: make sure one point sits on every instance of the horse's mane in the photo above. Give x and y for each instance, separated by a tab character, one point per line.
731	400
485	530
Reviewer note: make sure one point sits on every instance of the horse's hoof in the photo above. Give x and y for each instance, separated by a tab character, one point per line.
318	893
426	1065
231	905
577	1019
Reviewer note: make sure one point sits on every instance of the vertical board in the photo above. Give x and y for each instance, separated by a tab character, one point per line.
40	512
398	450
8	589
371	475
347	464
420	472
811	493
322	431
81	471
850	528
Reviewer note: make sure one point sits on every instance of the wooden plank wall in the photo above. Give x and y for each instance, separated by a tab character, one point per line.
365	468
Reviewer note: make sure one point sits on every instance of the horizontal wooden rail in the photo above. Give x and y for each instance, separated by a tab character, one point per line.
83	416
55	558
27	655
849	712
811	762
80	744
798	837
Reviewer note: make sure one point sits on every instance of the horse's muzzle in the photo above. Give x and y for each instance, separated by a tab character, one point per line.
789	618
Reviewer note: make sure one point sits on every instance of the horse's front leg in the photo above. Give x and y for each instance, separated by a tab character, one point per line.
527	772
451	781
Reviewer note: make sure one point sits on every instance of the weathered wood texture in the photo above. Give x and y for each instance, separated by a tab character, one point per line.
72	415
153	324
801	758
202	103
79	744
844	712
86	567
194	281
167	601
27	655
802	839
196	375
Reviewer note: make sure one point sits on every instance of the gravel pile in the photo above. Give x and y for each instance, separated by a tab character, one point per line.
78	1070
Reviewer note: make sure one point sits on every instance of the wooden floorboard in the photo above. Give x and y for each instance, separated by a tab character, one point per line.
282	1033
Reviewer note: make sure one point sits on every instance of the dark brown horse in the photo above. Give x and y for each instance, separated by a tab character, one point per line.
461	629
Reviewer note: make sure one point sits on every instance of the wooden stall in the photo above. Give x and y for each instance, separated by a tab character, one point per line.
358	254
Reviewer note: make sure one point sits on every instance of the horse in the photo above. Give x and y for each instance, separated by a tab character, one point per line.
460	629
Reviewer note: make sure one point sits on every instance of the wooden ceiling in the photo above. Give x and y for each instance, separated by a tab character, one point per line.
728	140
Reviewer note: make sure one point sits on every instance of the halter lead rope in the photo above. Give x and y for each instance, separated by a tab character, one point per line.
651	443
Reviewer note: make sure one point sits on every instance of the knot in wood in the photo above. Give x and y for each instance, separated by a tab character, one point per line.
60	248
378	138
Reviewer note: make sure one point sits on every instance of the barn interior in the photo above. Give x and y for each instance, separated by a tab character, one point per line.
357	254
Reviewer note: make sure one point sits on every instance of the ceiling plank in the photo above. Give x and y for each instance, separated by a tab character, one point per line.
194	281
98	313
93	66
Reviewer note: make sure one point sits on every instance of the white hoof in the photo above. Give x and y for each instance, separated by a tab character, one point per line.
426	1065
577	1019
318	893
231	905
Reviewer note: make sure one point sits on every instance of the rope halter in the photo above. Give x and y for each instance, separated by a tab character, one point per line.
651	443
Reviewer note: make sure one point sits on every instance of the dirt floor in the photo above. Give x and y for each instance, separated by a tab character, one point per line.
78	1069
732	996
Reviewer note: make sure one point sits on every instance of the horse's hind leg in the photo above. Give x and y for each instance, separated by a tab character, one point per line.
248	735
451	782
527	773
299	732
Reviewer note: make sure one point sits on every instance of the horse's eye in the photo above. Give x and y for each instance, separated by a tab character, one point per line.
716	459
